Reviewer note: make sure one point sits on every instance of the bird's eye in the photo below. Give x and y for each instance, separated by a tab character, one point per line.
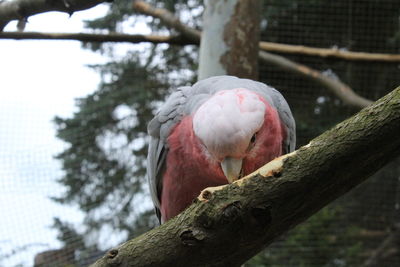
253	138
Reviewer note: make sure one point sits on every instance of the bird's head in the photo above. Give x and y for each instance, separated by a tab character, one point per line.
227	125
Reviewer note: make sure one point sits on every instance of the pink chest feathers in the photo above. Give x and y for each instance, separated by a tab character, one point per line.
190	168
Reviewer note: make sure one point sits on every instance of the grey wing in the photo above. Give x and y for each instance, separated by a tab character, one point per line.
288	121
159	128
155	164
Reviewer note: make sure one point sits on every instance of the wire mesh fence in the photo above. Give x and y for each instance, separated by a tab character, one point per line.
359	229
353	230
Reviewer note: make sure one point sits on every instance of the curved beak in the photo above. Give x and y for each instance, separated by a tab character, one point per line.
231	168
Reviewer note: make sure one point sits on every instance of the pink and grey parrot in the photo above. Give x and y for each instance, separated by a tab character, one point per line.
213	133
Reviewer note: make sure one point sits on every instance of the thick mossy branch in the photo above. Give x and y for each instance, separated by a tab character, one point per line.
232	223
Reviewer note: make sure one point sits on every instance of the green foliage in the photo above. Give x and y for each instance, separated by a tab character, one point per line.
68	235
105	157
104	162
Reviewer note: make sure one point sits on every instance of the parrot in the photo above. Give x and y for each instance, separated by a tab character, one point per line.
213	133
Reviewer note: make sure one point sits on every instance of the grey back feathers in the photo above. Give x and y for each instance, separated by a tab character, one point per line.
185	101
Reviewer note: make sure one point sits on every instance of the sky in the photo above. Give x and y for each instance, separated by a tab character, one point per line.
38	81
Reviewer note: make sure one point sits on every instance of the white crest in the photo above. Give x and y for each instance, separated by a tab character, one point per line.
226	122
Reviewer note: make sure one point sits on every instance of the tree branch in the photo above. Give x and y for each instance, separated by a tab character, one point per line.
266	46
22	9
341	90
229	224
192	36
326	52
90	37
387	248
169	19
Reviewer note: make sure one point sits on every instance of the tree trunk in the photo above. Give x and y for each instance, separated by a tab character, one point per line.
229	43
229	224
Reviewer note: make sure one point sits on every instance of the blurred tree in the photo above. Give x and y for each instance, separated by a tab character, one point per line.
104	163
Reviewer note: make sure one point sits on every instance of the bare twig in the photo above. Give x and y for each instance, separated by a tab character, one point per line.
340	89
89	37
22	9
169	19
372	234
325	52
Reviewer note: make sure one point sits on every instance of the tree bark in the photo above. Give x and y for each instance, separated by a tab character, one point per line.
230	37
229	224
22	9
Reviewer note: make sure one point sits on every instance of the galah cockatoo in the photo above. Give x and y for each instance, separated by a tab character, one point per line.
213	133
